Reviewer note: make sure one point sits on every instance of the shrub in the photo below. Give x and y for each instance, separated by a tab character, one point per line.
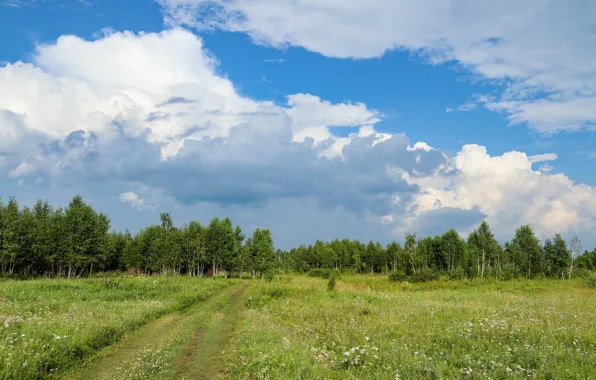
331	283
508	272
396	276
425	275
319	272
457	274
336	273
590	280
269	275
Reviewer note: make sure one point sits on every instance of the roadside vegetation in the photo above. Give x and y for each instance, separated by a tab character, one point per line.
50	325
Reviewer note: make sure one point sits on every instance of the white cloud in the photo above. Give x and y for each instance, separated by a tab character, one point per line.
421	145
33	3
167	83
542	157
539	51
17	3
507	191
149	112
467	106
136	201
312	117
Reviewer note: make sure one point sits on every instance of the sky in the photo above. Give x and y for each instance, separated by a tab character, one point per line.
316	119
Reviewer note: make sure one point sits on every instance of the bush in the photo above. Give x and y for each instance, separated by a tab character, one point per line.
320	272
590	280
331	283
397	276
425	275
269	275
457	274
336	273
508	273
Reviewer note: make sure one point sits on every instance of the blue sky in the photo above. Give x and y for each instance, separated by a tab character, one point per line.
271	111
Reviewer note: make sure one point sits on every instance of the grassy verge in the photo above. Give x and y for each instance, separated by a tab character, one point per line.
48	326
526	329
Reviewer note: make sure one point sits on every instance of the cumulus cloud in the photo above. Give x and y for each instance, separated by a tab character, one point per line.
136	201
506	190
148	111
312	117
539	52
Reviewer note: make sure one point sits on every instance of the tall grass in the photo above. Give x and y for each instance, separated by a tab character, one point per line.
49	325
373	329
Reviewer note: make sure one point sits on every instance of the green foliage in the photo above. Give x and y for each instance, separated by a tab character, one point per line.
529	254
263	251
269	275
589	279
424	275
396	276
76	242
331	283
320	272
508	272
457	274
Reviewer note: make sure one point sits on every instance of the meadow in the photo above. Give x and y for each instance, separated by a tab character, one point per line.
48	326
370	328
295	327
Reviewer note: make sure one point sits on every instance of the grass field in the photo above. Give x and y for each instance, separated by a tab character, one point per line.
372	329
294	328
48	326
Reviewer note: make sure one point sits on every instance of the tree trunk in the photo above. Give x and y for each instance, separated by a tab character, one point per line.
483	258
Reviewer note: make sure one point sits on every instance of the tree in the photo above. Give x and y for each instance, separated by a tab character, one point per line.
484	244
220	243
576	247
526	242
410	249
263	251
9	239
394	251
195	248
557	257
452	249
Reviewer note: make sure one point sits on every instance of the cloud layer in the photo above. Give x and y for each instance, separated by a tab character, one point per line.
539	52
146	120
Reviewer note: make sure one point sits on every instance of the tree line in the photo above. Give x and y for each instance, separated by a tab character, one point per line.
76	241
43	240
480	255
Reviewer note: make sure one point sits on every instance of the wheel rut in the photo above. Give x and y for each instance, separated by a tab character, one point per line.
181	345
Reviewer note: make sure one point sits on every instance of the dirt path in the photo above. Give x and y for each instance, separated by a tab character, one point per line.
184	345
202	357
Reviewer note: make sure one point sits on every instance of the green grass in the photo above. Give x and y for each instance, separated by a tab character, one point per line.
183	344
371	328
48	326
295	328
